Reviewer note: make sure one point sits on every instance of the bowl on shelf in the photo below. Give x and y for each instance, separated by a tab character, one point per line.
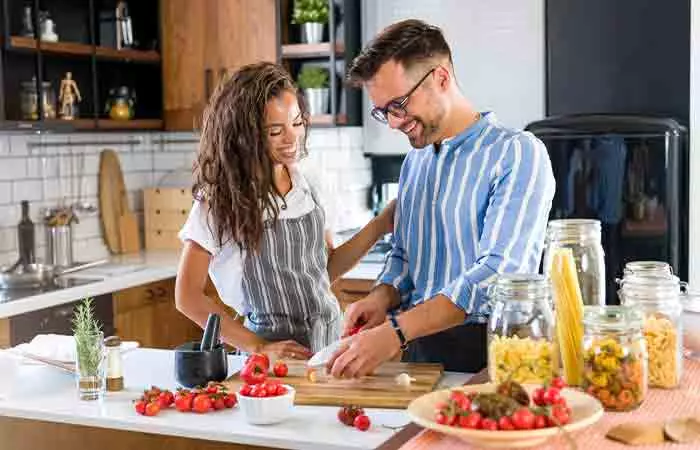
586	410
267	410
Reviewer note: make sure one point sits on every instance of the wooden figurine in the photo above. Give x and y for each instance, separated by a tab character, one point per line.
68	96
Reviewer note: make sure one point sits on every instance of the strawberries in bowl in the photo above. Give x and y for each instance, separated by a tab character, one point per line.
266	403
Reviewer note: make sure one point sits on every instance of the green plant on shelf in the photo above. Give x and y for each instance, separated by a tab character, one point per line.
310	11
88	345
313	78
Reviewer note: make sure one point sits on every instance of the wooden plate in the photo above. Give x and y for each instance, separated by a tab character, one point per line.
586	410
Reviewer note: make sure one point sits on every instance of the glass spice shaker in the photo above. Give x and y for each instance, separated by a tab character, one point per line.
115	376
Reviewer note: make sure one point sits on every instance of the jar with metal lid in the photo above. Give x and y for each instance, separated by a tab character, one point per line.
658	298
115	375
521	330
582	236
29	100
614	356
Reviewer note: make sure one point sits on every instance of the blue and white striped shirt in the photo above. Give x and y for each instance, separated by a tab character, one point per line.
477	207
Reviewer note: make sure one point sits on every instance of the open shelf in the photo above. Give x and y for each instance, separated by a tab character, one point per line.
134	124
323	49
74	48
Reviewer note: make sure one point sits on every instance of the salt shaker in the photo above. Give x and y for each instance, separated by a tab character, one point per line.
115	376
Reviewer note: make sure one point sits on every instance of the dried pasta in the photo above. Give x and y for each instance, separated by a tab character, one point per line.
569	314
662	344
525	360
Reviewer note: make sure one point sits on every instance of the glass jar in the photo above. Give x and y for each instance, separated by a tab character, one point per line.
115	375
29	100
521	330
614	356
90	365
582	236
647	268
658	298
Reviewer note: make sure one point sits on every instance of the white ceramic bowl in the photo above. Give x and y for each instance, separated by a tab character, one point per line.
267	410
586	410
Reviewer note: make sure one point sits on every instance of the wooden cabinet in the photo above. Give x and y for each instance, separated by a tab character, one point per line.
348	290
202	41
148	314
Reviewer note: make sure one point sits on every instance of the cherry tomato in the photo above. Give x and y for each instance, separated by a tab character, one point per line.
230	400
245	390
551	396
261	358
254	372
219	403
280	369
558	382
540	422
461	400
441	418
538	397
523	419
561	401
489	424
462	420
560	415
140	407
354	330
211	390
201	404
165	399
362	422
504	423
152	409
473	421
183	402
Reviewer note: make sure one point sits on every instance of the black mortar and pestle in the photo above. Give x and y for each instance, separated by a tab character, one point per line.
197	363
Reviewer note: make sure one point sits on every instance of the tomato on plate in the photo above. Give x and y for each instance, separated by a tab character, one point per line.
523	419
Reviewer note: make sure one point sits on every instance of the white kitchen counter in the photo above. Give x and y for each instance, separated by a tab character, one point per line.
126	271
121	272
47	394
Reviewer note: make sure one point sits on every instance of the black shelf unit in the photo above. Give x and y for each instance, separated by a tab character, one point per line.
95	67
342	42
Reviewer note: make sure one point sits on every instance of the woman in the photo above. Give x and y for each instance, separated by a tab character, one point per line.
257	226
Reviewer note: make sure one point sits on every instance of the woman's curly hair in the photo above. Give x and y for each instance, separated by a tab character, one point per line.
233	172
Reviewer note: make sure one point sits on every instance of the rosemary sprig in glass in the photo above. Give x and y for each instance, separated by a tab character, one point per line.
88	342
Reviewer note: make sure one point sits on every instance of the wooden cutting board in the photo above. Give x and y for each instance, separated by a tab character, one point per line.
377	391
113	201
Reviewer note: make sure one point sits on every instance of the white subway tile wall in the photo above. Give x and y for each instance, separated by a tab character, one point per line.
50	169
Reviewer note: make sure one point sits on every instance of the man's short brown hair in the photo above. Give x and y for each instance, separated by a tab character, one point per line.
408	42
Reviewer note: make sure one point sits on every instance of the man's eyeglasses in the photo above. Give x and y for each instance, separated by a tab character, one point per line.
397	107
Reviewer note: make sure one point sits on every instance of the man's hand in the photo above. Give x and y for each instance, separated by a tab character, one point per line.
370	311
365	352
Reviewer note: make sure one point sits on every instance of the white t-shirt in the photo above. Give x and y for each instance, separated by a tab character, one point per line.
226	266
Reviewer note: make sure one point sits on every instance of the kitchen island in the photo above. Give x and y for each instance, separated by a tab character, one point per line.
42	411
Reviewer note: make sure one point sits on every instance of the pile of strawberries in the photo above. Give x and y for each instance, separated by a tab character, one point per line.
199	400
548	409
255	372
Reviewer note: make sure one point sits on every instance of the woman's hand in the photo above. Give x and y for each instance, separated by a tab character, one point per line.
287	349
385	219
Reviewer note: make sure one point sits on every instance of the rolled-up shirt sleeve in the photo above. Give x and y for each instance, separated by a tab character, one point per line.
512	238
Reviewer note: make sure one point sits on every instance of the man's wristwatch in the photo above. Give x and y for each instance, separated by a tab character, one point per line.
395	325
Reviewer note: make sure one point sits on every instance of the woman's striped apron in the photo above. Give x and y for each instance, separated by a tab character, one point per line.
287	286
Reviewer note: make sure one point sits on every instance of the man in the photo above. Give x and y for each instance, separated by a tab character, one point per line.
474	198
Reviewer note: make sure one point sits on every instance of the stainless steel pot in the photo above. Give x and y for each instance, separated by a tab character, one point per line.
38	275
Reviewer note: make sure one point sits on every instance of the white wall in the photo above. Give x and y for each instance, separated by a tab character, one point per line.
498	48
694	213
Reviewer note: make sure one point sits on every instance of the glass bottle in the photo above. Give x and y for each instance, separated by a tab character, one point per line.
115	375
615	356
647	268
521	330
582	236
25	236
658	298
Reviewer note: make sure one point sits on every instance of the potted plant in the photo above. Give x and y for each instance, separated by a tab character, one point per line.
313	82
312	15
89	352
